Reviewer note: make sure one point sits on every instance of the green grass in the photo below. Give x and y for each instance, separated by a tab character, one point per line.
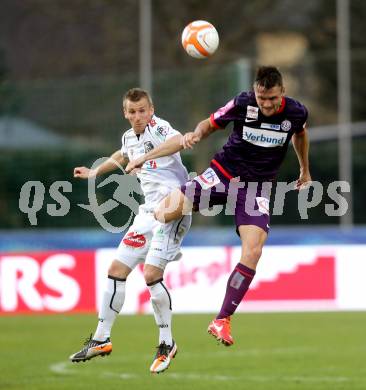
271	351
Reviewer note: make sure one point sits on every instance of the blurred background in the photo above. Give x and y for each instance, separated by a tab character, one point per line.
65	65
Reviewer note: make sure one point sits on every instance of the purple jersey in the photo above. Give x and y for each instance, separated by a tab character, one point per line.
258	144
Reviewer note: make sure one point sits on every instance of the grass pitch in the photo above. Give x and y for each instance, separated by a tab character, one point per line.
271	351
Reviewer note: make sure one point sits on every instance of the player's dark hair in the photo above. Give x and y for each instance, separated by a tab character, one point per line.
136	94
268	77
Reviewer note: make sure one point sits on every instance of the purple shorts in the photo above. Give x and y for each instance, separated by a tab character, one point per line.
213	192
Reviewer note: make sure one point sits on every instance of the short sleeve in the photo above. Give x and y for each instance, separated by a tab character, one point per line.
302	121
224	115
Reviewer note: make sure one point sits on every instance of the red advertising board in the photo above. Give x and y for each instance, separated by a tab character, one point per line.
287	278
47	282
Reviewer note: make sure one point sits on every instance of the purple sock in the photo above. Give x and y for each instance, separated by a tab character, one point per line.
237	286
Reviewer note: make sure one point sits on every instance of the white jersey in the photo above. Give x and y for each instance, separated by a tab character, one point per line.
157	177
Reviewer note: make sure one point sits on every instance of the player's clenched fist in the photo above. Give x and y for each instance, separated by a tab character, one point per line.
189	140
135	166
84	172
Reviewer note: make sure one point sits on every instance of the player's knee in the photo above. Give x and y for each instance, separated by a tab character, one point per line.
159	215
152	275
171	207
162	216
251	256
150	278
118	270
254	254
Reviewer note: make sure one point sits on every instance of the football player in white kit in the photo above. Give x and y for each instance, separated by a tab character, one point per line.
147	240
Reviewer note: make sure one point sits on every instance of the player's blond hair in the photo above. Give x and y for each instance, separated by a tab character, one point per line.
135	95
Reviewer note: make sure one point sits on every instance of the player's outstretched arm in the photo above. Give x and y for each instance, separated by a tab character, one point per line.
202	130
174	145
301	146
167	148
109	165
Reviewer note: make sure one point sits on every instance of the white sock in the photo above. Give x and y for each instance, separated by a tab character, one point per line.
112	302
162	305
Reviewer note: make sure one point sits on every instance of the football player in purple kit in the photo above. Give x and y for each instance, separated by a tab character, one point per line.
264	122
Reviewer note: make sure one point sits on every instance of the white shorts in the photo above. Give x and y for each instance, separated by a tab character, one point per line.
151	242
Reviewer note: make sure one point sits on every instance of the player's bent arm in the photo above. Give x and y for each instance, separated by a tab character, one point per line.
301	146
113	162
202	130
167	148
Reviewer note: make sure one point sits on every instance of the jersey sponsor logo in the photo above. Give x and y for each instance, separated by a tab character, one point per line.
208	179
264	138
263	205
252	112
223	110
134	240
270	126
250	120
160	232
159	235
286	125
151	164
162	132
148	146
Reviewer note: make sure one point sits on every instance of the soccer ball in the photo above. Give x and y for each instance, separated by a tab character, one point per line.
200	39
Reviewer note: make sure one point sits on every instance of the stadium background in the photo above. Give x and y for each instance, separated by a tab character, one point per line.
64	67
